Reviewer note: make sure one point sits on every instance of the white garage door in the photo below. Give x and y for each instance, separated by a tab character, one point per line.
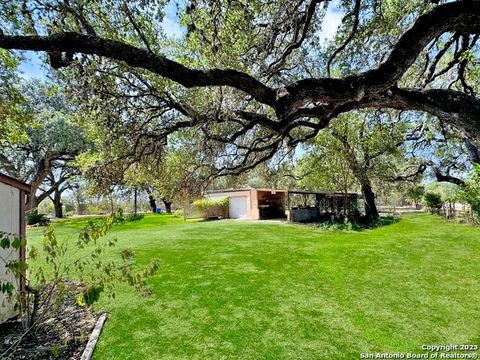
238	207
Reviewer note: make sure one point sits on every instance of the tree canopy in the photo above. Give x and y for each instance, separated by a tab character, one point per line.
270	80
44	156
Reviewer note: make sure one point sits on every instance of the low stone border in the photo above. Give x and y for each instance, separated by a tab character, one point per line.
92	340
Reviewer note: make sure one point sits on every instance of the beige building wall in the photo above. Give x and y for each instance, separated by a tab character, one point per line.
10	222
250	194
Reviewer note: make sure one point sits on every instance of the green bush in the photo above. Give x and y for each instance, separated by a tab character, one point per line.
134	217
177	213
348	225
215	207
37	219
470	193
121	218
433	202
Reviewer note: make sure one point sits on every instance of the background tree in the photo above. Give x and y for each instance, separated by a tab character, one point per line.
178	179
363	148
48	148
12	104
415	193
60	180
470	193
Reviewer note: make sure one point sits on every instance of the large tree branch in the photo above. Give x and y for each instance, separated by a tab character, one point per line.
461	16
447	177
456	108
298	39
307	97
71	42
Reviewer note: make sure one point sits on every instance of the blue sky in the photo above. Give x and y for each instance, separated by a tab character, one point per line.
34	67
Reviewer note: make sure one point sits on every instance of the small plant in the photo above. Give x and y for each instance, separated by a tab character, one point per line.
178	213
119	217
49	286
134	217
433	202
127	254
37	219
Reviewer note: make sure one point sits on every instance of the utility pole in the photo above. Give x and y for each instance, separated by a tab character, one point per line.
135	195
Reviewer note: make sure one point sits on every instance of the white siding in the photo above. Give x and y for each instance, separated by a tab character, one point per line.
9	223
244	194
237	208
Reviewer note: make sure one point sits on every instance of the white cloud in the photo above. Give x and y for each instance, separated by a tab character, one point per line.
171	21
172	27
331	22
32	66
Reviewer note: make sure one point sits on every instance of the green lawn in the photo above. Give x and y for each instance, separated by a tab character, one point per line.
260	290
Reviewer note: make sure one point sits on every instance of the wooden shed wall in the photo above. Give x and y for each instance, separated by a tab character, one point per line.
11	218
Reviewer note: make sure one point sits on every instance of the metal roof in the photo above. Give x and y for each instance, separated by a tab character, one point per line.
291	191
243	189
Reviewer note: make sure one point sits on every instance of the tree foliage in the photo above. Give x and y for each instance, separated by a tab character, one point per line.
433	201
415	193
359	151
470	193
12	113
253	78
45	156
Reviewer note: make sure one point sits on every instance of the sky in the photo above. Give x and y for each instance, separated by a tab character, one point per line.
331	21
34	67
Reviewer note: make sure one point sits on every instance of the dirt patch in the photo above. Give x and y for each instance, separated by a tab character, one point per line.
62	335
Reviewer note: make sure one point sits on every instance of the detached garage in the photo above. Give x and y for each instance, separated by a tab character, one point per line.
12	223
253	204
295	205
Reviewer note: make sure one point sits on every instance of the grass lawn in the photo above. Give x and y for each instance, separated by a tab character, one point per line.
259	290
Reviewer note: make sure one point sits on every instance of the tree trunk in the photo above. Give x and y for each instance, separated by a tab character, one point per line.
168	206
57	203
32	204
153	203
135	201
112	205
371	212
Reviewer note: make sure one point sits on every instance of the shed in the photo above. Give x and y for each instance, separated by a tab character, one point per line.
296	205
309	206
253	204
12	222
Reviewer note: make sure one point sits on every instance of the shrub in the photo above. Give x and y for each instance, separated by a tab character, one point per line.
134	217
333	225
37	219
470	193
178	213
121	218
212	207
433	202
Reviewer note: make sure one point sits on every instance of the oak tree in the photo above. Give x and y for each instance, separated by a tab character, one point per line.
254	77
